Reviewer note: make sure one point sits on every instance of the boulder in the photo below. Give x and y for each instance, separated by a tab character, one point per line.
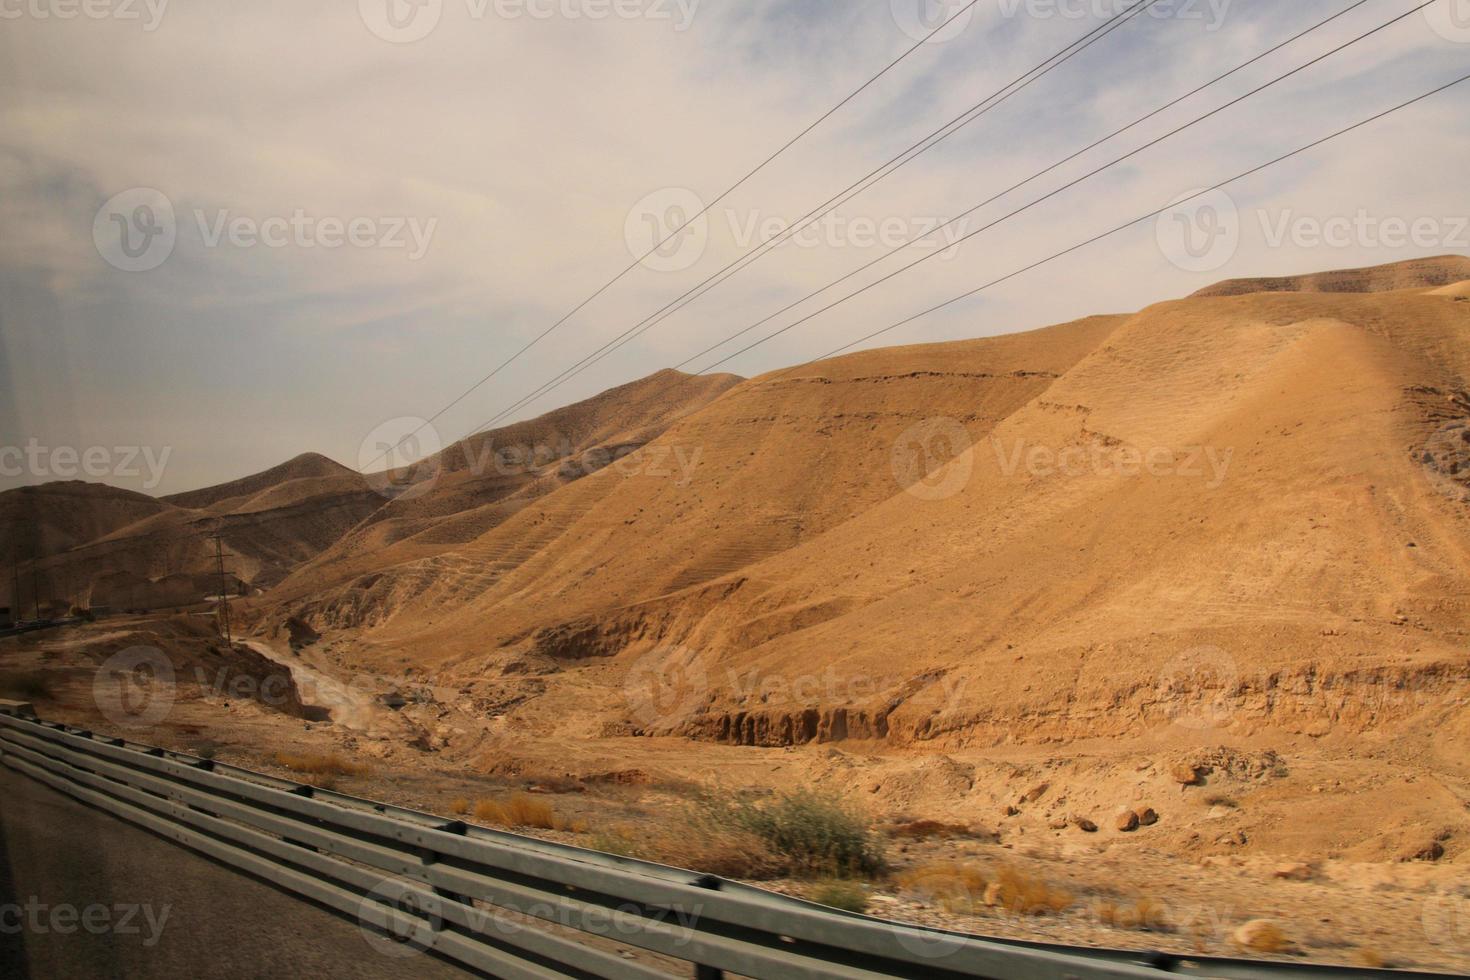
1085	825
1146	816
1187	774
1126	821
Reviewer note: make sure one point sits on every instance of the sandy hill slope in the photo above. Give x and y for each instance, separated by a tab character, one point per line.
775	462
236	493
1417	273
55	517
474	485
159	552
1249	507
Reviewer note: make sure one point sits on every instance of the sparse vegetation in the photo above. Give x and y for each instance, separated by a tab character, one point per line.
459	806
968	888
839	894
524	810
322	769
620	840
716	848
818	834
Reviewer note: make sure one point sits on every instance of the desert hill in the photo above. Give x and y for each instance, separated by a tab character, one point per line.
307	466
55	517
1443	270
125	550
108	547
1240	507
474	485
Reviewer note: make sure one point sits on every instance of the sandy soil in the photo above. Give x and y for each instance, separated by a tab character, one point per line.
1232	849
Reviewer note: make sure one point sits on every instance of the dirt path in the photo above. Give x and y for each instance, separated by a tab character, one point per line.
352	706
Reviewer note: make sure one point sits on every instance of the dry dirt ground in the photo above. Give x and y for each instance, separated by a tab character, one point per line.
1330	845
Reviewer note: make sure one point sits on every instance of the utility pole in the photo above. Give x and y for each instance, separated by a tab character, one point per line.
224	592
15	574
35	589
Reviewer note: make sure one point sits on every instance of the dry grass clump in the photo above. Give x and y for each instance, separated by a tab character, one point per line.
320	769
459	806
715	849
952	885
1263	937
968	888
803	834
524	810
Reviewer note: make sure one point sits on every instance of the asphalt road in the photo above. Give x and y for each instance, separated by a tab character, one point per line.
84	894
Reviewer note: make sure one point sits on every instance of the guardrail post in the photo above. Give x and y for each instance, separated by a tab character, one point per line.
702	972
429	856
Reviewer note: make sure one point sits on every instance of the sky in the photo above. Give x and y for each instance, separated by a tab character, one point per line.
234	233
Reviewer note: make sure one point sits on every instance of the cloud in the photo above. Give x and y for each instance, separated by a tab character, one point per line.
526	140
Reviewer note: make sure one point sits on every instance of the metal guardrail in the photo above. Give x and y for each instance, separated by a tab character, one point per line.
513	906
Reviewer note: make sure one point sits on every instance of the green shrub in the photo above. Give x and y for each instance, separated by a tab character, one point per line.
843	895
819	834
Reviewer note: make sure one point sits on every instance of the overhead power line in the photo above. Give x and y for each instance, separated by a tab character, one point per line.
567	376
1140	220
885	169
1065	187
1036	176
659	244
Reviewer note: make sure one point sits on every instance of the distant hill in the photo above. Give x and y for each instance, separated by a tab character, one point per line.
476	484
1414	274
104	546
